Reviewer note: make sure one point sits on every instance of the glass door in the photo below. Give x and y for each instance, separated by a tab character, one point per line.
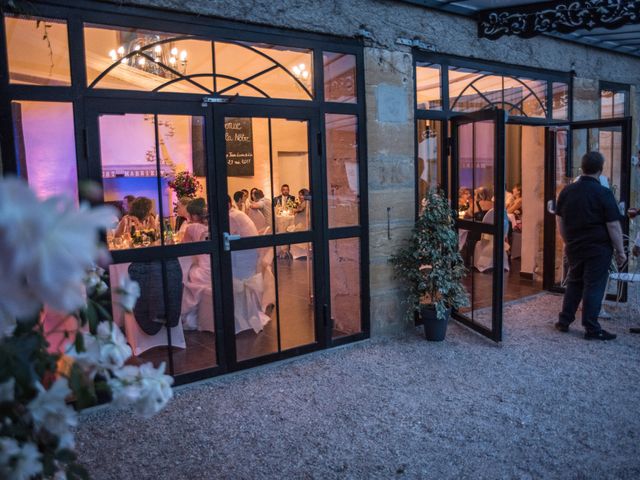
478	187
151	161
565	147
271	230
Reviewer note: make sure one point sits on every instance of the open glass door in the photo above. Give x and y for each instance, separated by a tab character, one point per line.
565	147
477	169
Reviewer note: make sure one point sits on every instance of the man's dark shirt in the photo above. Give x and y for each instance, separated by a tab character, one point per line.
585	207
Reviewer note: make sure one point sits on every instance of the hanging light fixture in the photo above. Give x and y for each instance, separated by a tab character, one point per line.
162	53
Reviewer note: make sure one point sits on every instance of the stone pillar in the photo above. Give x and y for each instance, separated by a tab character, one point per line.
390	150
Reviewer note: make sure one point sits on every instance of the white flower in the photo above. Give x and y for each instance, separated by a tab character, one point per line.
145	388
104	351
129	291
18	463
46	247
50	412
7	322
7	390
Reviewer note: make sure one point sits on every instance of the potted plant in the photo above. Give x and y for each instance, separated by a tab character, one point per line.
431	267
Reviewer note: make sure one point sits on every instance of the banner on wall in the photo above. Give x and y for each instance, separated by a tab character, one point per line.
239	145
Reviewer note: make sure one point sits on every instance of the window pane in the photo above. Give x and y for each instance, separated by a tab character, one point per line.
261	70
343	188
344	264
196	316
429	155
606	104
249	172
428	90
339	77
524	97
147	60
619	104
295	297
473	90
38	51
291	181
254	300
45	148
560	101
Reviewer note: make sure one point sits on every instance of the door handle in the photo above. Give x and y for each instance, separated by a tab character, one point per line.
227	238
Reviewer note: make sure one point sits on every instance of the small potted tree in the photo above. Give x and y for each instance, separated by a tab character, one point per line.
432	268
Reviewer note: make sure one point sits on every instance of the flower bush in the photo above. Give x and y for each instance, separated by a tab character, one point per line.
49	251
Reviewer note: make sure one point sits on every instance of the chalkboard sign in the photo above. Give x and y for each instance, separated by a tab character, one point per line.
239	141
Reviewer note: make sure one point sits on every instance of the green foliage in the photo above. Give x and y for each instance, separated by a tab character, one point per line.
430	265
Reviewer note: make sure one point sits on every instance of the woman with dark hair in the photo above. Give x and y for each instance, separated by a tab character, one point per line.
301	219
140	217
260	211
197	229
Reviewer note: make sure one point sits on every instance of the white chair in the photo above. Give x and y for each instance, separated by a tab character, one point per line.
621	277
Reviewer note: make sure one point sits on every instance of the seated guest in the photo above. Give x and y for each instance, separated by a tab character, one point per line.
182	217
139	217
515	204
126	203
261	206
238	200
245	199
301	210
282	199
464	202
482	203
198	279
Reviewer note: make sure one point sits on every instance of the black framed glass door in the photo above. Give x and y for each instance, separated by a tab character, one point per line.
151	159
566	144
272	231
478	187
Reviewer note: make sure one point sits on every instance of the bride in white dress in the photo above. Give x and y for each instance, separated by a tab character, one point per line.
197	282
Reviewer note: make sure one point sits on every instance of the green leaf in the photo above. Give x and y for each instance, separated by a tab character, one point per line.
79	342
65	455
92	316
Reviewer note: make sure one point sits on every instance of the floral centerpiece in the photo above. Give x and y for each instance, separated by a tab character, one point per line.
185	185
292	203
50	257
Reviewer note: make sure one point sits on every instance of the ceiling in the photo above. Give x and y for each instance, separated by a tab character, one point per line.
624	39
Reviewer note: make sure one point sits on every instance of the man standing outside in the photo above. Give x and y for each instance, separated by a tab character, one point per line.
589	223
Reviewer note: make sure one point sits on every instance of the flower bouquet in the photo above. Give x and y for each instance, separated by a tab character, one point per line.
292	204
185	185
42	385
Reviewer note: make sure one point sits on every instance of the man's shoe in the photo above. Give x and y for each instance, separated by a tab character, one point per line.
600	335
634	330
561	327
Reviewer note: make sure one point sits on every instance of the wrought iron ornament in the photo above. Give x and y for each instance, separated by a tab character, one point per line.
564	16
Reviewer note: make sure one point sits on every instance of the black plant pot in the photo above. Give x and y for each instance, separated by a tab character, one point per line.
435	329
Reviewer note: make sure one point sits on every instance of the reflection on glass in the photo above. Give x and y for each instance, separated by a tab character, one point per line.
613	103
254	297
428	86
295	297
46	151
560	101
610	145
147	60
343	188
339	77
261	70
563	178
429	155
290	157
37	50
476	171
344	267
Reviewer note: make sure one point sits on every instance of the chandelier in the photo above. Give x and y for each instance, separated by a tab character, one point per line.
154	58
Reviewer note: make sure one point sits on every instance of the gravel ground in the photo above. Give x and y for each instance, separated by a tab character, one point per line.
541	405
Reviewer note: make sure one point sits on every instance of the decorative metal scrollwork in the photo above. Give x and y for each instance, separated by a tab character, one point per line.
563	16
